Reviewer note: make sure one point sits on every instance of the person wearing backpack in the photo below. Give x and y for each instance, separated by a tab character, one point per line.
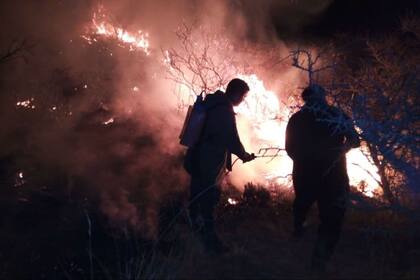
208	159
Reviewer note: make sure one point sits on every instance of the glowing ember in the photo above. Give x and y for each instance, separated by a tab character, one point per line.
102	27
232	201
19	180
26	103
111	120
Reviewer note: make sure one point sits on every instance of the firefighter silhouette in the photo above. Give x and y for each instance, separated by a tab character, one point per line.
318	137
207	160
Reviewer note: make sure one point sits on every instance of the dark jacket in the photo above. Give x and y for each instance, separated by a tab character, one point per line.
318	144
220	136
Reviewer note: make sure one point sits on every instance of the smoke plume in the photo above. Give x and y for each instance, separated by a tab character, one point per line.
105	115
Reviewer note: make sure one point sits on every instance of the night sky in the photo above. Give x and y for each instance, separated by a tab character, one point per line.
299	20
353	16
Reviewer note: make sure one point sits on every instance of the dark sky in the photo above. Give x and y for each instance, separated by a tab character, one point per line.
298	20
354	16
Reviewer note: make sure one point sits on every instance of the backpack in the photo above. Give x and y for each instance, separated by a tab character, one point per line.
193	123
192	130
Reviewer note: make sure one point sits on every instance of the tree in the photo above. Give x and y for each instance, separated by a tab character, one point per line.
380	91
202	62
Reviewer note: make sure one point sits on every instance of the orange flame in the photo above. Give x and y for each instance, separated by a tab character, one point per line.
102	27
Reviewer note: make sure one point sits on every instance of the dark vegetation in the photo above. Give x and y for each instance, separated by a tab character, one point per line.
376	80
47	236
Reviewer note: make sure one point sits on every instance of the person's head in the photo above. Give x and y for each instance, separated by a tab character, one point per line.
314	94
236	91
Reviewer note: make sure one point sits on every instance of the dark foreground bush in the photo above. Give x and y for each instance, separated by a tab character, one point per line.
50	237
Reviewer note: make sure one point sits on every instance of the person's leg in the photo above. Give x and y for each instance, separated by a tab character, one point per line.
332	205
194	203
304	198
211	178
196	187
209	235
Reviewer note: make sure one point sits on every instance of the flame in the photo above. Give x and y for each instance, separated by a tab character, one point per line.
261	125
362	172
100	26
262	122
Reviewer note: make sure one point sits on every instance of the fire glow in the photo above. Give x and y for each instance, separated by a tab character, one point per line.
102	27
262	122
261	118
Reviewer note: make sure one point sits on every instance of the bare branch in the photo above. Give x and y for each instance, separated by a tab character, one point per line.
306	61
16	49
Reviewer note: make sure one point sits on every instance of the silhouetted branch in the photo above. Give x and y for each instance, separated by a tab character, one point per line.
202	61
382	96
16	49
307	61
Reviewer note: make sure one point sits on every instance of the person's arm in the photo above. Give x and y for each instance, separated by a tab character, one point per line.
291	139
351	137
233	141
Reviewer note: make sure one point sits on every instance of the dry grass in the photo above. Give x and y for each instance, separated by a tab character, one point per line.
53	244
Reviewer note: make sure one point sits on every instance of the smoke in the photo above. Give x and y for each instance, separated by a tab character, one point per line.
269	19
106	116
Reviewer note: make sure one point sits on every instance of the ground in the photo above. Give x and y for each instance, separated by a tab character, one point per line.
46	239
